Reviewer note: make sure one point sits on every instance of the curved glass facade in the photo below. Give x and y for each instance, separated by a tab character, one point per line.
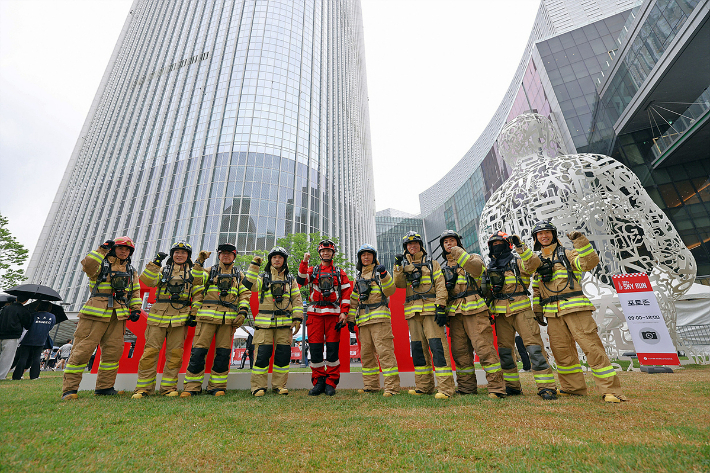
226	120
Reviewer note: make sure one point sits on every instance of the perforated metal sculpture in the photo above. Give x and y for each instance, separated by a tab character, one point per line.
600	197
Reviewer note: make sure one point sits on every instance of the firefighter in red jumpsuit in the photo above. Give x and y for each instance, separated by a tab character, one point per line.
328	306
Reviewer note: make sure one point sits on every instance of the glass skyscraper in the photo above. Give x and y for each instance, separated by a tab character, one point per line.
223	120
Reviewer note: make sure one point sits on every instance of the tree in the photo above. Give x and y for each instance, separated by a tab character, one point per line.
12	254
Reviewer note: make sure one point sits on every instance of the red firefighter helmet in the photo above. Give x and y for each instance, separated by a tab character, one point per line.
326	245
498	236
127	242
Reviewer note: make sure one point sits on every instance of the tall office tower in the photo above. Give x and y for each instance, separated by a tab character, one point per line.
222	120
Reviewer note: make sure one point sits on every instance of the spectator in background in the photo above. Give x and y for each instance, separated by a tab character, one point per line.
248	352
63	355
14	317
33	342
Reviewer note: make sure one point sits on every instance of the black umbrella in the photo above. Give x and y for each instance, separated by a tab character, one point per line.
5	298
34	291
55	309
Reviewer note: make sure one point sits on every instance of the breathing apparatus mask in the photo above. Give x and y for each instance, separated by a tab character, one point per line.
450	277
363	288
497	280
120	281
325	284
415	277
224	284
500	250
175	289
278	289
545	270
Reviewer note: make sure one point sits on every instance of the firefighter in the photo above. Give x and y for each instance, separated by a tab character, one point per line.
469	319
558	296
508	278
279	318
425	311
224	309
329	302
115	298
369	309
178	296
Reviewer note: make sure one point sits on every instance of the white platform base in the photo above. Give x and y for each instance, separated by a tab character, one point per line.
296	380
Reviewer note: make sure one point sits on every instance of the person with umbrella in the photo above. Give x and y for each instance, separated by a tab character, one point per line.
114	298
32	344
14	317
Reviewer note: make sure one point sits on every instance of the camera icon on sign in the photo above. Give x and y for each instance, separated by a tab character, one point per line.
649	335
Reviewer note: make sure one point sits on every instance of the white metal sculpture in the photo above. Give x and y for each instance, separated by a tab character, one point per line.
602	198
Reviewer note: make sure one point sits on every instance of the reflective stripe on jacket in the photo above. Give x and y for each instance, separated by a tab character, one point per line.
527	264
237	296
582	258
164	314
436	288
365	315
473	265
96	308
292	302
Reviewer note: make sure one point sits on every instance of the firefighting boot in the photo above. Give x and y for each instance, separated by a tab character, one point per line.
171	394
416	392
69	395
281	391
364	391
139	395
329	390
386	394
497	395
259	392
548	394
318	388
611	398
216	392
441	396
511	391
105	392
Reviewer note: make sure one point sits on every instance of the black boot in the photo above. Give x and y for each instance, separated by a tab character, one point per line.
318	388
105	392
547	394
511	391
329	390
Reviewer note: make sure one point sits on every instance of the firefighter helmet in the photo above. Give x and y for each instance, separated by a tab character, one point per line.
449	234
369	248
540	226
277	250
227	247
410	237
326	245
127	242
498	236
181	245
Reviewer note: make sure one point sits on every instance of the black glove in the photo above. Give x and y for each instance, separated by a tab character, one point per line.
540	319
441	317
351	327
380	268
515	240
159	258
339	326
108	244
398	259
191	321
135	315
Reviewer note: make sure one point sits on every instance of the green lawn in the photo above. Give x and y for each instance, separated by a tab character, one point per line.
664	427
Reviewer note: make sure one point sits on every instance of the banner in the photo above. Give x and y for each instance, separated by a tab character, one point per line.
648	330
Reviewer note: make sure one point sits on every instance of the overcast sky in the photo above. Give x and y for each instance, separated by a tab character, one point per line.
436	72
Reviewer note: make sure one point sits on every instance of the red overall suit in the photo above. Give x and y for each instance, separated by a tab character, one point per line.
323	313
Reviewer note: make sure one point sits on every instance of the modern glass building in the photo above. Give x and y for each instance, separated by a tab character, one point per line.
653	114
569	46
391	225
225	120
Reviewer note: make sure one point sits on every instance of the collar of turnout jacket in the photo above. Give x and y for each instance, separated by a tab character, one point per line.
237	297
373	309
527	263
582	258
272	314
471	303
97	307
164	313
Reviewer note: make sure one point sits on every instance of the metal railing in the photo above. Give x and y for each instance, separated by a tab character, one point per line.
686	121
694	334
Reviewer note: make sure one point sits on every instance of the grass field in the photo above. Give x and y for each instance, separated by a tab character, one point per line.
664	427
